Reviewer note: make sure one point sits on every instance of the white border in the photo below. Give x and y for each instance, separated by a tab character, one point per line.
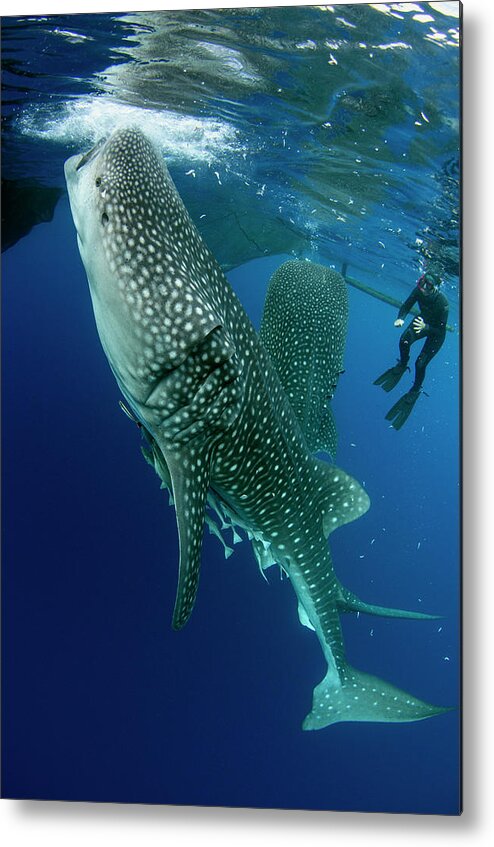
53	823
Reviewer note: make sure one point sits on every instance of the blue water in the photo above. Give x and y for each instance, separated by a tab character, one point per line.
101	699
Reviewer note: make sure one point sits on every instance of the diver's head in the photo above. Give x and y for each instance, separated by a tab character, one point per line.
428	283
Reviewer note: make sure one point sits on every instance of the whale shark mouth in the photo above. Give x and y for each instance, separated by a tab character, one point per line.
87	157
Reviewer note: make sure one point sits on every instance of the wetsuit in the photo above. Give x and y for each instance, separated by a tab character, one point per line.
434	310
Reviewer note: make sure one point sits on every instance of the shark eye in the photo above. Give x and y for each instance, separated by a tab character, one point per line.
98	181
104	218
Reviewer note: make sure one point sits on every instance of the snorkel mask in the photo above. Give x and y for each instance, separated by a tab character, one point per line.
427	283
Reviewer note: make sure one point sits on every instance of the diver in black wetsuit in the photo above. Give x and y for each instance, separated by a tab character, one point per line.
431	325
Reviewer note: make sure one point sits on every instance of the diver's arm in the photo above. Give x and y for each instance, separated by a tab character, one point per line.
407	305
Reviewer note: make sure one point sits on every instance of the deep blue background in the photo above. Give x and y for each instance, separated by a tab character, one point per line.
101	700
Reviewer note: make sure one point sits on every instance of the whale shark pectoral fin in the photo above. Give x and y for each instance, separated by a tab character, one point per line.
190	475
344	499
362	697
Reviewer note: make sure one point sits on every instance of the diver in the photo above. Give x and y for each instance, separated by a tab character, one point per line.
429	324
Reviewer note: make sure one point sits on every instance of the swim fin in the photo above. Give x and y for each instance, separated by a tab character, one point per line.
391	377
399	413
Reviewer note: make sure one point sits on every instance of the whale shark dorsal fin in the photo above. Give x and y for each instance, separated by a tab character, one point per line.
343	498
190	476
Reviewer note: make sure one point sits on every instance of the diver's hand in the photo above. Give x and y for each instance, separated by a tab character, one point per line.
418	324
399	322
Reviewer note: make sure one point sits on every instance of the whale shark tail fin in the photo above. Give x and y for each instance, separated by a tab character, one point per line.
363	697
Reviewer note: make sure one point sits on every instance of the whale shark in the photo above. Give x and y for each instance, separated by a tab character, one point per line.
303	328
196	378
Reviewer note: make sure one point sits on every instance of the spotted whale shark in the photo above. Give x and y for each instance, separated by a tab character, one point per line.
303	328
198	381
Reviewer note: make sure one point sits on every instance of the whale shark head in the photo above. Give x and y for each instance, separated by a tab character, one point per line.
142	260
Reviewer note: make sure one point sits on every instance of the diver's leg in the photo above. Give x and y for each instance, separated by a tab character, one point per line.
429	350
420	366
406	340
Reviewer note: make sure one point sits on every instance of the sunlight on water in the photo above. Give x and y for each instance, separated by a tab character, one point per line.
87	119
332	129
450	9
421	13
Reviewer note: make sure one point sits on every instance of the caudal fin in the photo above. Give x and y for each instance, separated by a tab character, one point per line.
362	697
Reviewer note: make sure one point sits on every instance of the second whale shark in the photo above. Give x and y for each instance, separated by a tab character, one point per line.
303	328
197	379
